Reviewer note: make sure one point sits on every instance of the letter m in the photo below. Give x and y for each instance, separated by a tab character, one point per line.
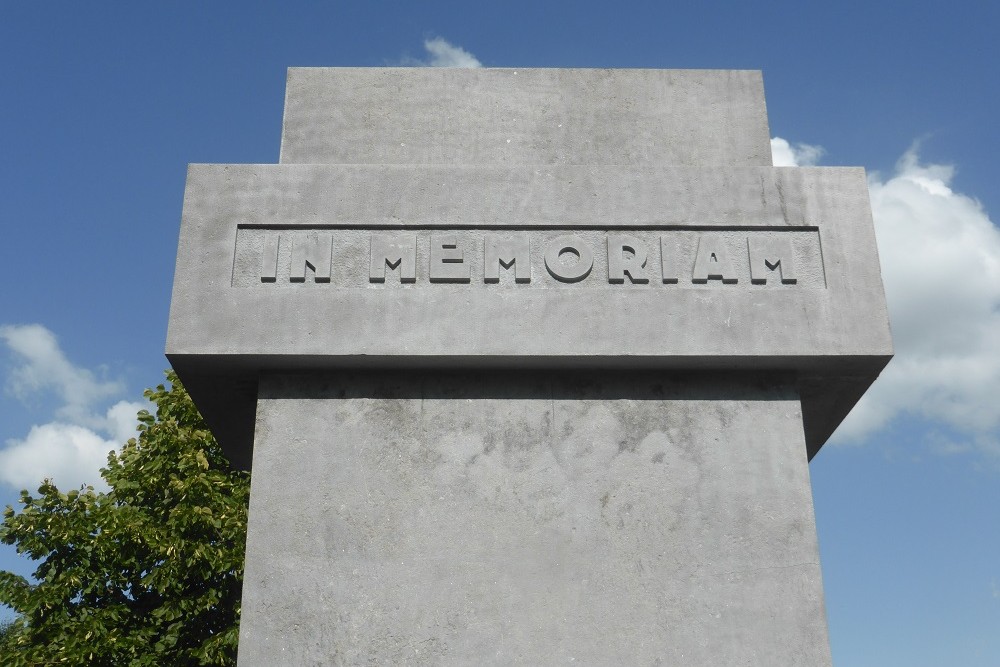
768	256
393	252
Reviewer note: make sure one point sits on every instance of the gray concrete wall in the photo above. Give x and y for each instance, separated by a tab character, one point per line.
531	518
578	456
451	116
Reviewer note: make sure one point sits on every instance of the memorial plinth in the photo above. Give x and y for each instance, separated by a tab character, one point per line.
529	365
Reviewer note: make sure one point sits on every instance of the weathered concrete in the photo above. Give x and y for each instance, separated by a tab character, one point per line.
525	518
526	116
225	317
535	359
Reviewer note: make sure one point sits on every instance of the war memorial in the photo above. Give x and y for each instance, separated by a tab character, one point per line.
529	365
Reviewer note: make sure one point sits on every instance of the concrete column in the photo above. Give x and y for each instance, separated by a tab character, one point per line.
531	518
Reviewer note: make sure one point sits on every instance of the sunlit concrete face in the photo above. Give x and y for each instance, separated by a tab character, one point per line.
528	365
536	117
531	518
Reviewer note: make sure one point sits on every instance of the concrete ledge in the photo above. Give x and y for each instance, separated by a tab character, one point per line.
839	310
235	312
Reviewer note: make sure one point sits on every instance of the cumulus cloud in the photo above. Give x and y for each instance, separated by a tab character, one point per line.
442	53
940	255
43	366
72	447
785	154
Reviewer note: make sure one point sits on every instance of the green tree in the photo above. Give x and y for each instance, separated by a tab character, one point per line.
7	639
149	573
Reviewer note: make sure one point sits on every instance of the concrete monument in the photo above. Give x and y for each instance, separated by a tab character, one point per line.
529	365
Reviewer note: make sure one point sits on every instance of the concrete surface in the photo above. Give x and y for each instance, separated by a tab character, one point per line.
451	116
529	365
512	518
830	324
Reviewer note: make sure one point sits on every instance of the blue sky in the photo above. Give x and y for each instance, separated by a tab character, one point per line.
102	105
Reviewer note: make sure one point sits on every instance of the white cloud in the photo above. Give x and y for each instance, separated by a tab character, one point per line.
68	454
442	53
784	154
940	255
44	367
120	420
72	447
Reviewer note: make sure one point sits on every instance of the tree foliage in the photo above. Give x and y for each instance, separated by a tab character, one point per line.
6	637
149	573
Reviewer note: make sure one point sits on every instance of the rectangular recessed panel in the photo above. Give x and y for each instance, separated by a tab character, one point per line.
493	258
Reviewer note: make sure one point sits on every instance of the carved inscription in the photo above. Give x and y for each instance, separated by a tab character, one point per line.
448	263
771	258
510	253
568	259
311	255
396	253
712	262
693	258
626	257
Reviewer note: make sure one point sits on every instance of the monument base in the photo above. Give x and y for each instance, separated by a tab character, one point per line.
531	518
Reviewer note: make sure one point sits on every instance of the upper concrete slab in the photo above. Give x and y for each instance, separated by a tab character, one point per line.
451	116
242	289
333	266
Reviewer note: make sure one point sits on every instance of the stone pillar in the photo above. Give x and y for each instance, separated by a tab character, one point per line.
538	359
